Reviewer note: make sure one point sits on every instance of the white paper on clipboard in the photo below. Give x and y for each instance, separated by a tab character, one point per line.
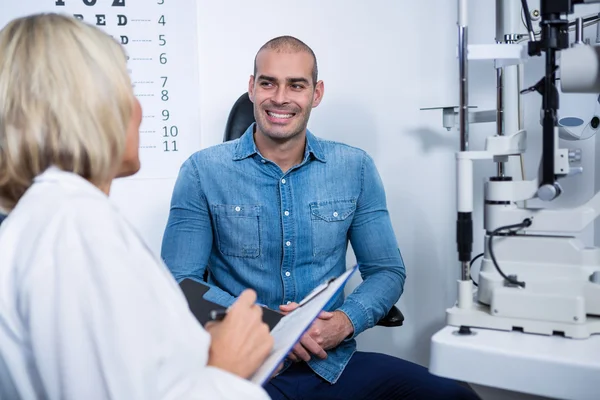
291	327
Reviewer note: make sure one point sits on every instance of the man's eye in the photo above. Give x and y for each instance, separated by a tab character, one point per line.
265	84
297	86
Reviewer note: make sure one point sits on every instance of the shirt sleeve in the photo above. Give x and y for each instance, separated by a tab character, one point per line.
188	237
98	330
379	259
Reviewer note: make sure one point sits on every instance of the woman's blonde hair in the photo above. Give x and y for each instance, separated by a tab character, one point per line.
65	100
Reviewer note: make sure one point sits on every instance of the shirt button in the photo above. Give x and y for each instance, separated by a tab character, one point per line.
335	214
263	161
286	213
237	208
287	273
288	243
283	181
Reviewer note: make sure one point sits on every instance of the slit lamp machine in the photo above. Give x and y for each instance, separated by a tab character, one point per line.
536	276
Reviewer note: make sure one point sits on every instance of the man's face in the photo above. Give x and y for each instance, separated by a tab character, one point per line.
283	93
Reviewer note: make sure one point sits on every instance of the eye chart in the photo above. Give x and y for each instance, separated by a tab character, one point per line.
160	38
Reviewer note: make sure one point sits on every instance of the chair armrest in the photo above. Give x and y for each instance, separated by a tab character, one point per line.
393	318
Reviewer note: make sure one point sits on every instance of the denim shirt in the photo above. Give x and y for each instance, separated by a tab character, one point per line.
253	226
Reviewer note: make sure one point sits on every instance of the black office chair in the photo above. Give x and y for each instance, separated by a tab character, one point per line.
240	118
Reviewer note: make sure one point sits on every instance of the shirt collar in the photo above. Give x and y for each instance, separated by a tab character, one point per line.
246	146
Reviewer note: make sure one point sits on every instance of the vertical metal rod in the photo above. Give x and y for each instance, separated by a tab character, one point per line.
549	122
579	31
509	27
464	89
464	219
598	31
500	111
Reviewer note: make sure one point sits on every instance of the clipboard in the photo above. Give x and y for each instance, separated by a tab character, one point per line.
292	326
201	308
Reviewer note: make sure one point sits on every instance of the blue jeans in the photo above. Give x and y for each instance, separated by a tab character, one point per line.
368	376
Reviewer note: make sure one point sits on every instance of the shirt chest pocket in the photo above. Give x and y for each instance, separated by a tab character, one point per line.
330	222
237	229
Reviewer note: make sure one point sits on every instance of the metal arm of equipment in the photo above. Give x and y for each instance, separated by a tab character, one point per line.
559	222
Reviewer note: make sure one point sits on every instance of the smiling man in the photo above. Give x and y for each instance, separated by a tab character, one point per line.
274	211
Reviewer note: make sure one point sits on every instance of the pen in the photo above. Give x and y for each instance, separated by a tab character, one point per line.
218	315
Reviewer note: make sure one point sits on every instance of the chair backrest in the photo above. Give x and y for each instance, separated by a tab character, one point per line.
2	218
240	118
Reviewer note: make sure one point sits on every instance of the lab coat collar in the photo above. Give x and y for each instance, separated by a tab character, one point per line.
68	180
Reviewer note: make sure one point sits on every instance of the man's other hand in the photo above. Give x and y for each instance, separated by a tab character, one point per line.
326	332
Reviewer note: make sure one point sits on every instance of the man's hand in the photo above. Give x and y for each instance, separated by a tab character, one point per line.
326	332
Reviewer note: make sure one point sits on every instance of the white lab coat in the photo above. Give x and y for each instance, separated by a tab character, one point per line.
87	311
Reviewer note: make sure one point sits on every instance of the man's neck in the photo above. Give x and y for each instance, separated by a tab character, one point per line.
285	154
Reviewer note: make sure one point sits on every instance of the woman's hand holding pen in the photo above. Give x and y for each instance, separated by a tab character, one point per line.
241	342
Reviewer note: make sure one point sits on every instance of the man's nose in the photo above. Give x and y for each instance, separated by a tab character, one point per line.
280	96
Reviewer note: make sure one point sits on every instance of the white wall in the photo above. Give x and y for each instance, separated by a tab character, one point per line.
381	61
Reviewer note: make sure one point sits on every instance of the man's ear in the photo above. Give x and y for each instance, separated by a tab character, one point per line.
318	94
251	88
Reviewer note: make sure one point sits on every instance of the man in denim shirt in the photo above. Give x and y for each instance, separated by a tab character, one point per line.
274	211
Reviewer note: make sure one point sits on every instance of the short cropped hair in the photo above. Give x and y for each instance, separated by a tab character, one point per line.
290	44
65	100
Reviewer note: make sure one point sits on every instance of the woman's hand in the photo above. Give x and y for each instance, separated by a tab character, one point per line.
241	342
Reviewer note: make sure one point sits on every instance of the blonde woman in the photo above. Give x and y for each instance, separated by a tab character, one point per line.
86	310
